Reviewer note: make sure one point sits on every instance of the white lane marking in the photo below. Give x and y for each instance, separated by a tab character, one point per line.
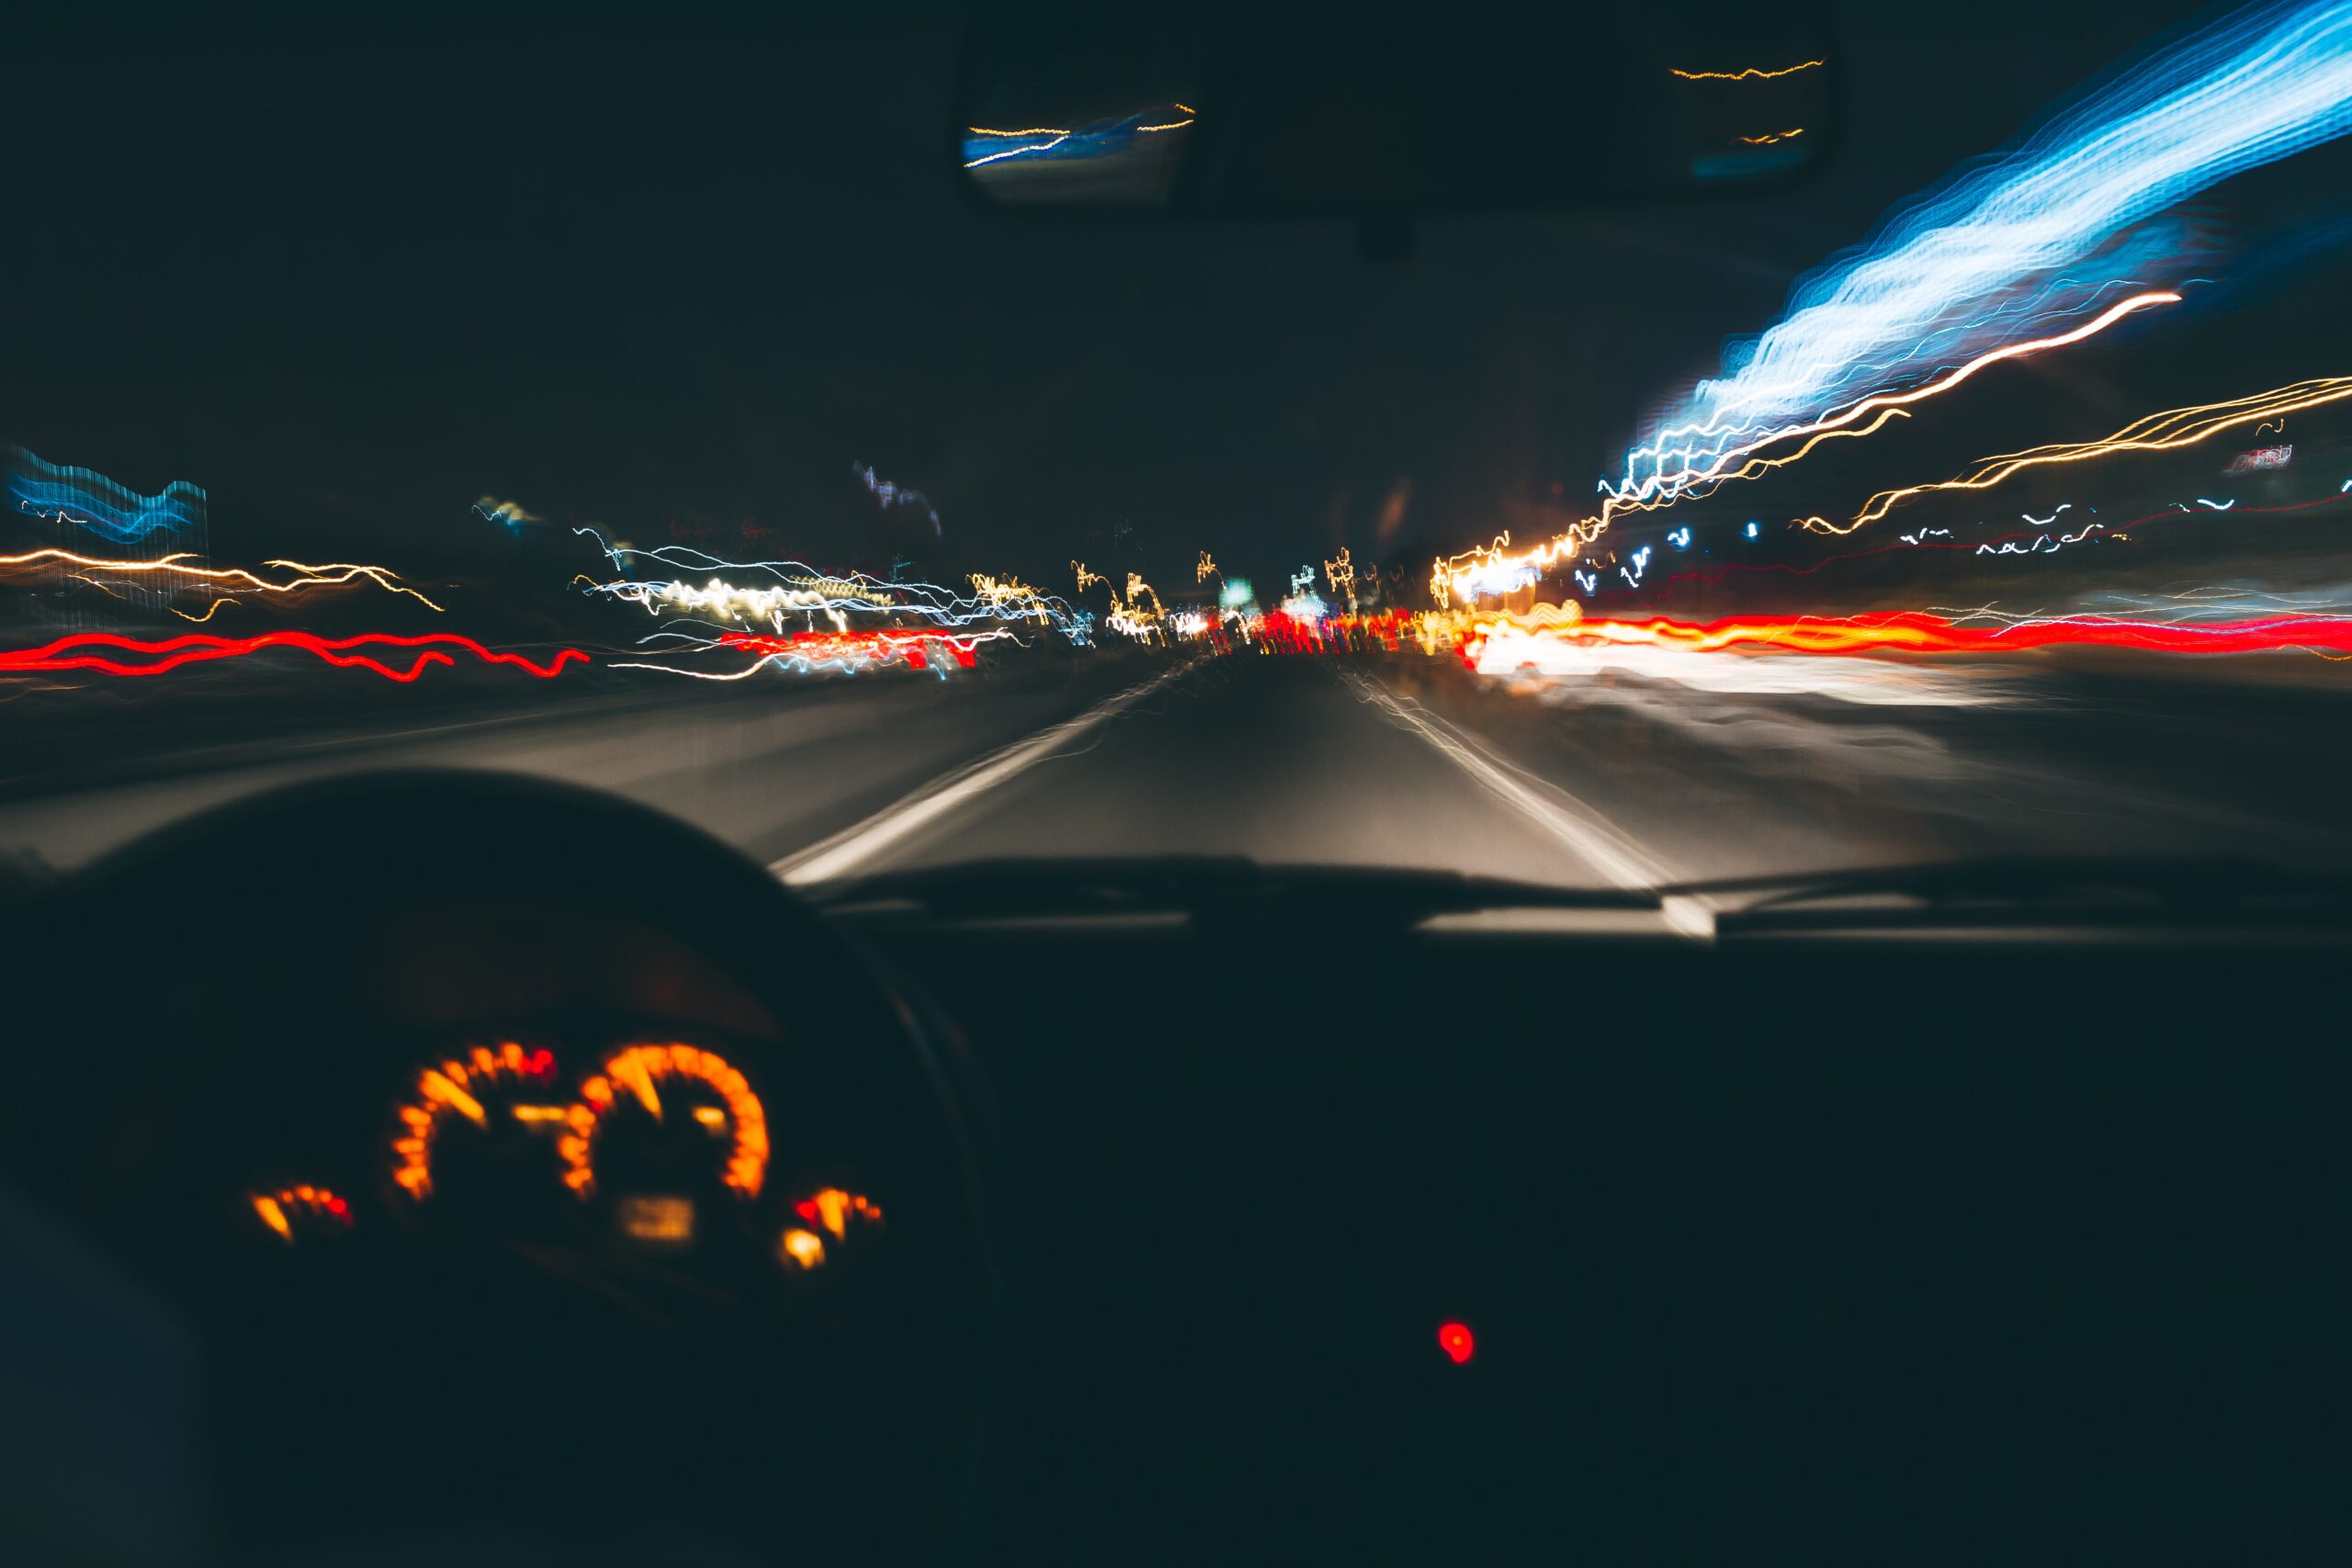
1586	832
854	846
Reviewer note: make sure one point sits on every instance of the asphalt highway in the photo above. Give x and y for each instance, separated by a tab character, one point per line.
1622	780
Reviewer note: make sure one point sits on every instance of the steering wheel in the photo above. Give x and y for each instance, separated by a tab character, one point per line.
526	1166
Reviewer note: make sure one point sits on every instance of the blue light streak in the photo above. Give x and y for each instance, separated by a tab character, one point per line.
891	495
97	502
2266	83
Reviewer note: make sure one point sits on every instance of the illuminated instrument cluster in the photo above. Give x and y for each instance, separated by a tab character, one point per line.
651	1148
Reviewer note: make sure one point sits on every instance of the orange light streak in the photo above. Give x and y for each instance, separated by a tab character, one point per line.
2165	431
1752	74
334	574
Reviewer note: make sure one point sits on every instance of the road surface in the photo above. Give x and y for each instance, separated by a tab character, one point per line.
1395	760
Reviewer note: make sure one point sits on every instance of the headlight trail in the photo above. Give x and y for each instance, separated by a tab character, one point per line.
74	652
92	500
720	597
1478	571
1498	646
2262	84
800	588
840	652
2165	431
334	574
2038	234
1994	545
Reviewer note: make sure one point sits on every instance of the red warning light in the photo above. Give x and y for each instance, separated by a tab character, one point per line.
1454	1339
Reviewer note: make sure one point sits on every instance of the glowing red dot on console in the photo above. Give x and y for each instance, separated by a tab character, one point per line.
1454	1339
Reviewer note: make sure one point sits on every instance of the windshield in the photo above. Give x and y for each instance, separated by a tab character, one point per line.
639	399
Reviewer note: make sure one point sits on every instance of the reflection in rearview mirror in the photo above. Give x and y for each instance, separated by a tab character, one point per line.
1226	111
1128	159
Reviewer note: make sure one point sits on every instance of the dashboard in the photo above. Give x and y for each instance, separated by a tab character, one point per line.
650	1163
510	1187
538	1181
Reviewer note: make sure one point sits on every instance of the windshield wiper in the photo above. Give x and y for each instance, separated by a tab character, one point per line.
2021	891
1207	886
2014	892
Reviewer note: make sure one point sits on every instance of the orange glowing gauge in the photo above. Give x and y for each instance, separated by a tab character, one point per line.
700	1085
475	1086
829	1212
291	1212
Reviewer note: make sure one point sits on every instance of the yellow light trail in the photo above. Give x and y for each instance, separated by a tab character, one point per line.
1171	125
273	1214
1754	467
1776	136
1033	131
207	614
1750	74
2165	431
1454	574
334	574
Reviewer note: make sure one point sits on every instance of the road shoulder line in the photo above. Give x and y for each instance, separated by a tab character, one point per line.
1608	848
835	857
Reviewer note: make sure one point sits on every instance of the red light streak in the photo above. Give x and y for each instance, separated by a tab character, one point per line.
1285	632
1909	631
67	653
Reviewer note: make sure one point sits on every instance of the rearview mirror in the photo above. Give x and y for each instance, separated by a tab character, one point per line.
1278	111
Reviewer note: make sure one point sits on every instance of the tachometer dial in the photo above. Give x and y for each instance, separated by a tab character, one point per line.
654	1120
498	1096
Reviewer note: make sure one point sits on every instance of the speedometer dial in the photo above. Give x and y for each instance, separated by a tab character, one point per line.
497	1095
656	1113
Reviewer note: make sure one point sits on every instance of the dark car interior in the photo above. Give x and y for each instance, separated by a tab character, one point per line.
1829	1277
457	1167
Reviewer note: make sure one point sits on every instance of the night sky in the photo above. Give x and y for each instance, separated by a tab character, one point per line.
350	273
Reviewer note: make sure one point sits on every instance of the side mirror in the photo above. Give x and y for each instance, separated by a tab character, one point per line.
1272	111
